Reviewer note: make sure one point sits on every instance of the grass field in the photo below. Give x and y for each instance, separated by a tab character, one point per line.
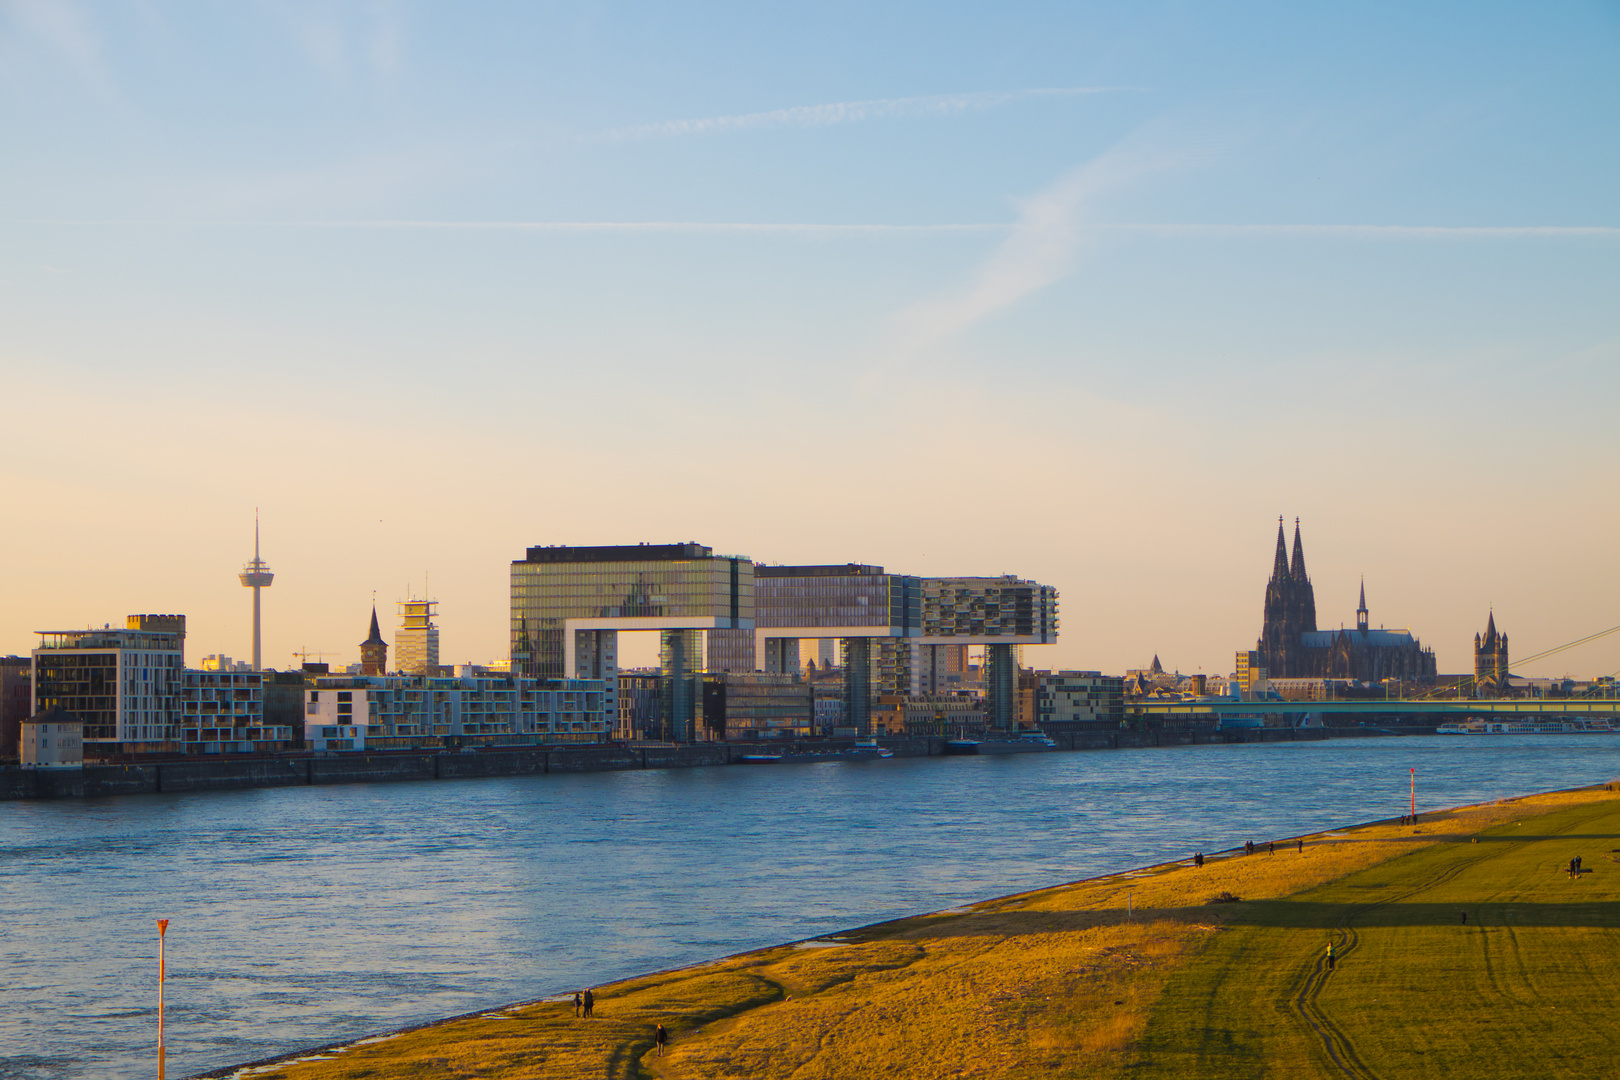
1063	982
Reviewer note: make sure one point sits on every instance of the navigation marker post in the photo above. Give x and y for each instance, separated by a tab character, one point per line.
1414	794
163	929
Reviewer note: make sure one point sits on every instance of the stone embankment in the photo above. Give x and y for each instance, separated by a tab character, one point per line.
234	773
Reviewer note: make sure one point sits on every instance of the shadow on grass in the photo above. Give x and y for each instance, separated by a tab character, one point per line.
1285	914
1520	838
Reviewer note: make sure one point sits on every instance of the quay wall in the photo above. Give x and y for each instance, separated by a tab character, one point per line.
236	773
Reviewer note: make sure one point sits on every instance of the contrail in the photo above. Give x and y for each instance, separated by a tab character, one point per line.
849	112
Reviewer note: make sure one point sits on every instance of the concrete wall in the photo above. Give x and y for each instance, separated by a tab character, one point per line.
680	757
120	779
592	759
226	775
504	763
370	768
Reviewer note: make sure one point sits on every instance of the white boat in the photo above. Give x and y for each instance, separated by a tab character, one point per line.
1599	726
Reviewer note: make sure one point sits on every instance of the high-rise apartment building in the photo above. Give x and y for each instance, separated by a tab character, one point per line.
124	685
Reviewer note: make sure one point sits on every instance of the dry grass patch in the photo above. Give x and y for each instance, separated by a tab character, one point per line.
1052	983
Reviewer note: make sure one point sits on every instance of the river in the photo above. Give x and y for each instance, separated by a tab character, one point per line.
303	916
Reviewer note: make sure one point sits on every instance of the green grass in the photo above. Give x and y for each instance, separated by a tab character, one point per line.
1524	988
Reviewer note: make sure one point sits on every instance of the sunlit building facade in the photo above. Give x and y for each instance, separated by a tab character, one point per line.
570	603
123	685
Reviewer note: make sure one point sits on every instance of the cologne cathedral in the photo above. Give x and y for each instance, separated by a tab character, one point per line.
1291	647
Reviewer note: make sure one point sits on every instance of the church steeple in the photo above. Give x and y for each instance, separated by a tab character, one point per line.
1298	571
374	650
1361	609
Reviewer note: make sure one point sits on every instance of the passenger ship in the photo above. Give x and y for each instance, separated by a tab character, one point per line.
1526	727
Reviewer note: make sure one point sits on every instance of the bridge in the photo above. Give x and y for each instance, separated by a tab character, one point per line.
1440	710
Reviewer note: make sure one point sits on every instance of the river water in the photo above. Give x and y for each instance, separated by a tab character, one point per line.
303	916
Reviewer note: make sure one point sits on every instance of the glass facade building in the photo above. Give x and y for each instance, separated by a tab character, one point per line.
569	603
124	685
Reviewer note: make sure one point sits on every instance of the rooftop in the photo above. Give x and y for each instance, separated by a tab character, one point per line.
618	553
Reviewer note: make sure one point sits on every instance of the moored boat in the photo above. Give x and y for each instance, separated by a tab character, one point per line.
1028	742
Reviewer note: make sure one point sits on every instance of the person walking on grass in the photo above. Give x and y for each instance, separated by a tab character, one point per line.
1273	849
660	1039
579	1005
1330	956
590	1002
1302	847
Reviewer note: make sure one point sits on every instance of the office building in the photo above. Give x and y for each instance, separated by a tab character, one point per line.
1079	697
861	607
570	603
760	705
999	613
123	685
416	642
916	715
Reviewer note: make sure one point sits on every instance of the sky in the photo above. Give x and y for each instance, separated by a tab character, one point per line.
1087	293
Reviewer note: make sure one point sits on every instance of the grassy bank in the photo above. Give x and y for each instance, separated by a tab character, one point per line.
1064	982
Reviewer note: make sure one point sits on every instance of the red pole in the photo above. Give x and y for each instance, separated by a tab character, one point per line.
163	929
1414	795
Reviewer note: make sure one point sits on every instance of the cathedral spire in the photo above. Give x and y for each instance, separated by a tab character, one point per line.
1279	567
1361	609
376	632
1298	572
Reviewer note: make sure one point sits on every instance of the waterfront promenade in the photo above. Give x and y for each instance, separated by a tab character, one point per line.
1461	948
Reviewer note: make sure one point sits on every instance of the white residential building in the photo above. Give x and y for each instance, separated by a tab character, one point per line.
408	712
53	740
123	685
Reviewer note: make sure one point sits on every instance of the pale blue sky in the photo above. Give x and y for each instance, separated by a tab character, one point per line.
1089	293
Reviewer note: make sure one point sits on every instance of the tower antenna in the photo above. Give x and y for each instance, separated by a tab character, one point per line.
256	575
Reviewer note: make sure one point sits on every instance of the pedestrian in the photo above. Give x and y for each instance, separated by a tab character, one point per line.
1198	859
1330	956
1465	918
661	1039
590	1002
1302	847
578	1004
1273	850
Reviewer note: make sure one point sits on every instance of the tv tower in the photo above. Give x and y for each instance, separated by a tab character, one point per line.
256	575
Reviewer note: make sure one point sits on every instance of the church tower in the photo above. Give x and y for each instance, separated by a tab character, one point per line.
374	650
1490	660
1361	608
1290	609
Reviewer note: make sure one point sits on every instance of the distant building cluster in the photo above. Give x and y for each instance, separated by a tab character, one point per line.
746	651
